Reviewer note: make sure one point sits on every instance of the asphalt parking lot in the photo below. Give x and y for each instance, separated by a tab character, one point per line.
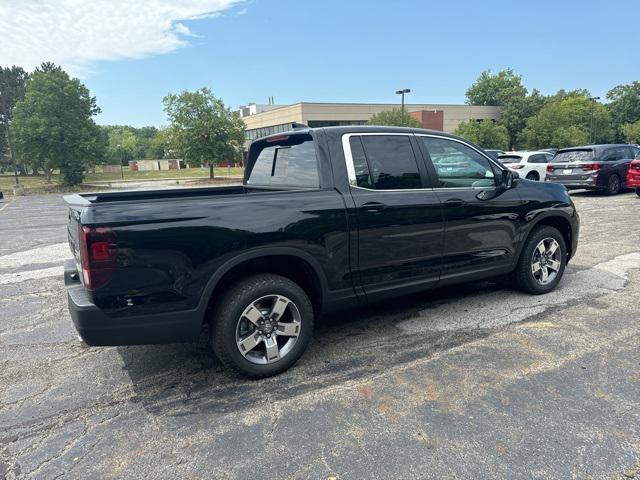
477	381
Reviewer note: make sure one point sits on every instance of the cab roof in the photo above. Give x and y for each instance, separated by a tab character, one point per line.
340	130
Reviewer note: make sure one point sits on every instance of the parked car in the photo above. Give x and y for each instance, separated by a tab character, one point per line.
326	218
493	152
636	150
529	165
633	175
552	150
591	167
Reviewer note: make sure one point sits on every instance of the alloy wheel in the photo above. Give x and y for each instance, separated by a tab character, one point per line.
614	185
546	261
268	329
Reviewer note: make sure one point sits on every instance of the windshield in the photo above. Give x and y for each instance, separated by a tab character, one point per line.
509	158
573	156
288	161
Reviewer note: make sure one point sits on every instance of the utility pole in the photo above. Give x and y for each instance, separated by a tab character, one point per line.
402	92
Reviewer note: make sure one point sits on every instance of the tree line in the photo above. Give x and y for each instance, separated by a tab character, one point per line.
47	124
533	121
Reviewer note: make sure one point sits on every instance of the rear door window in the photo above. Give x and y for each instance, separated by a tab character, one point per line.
288	161
385	162
615	154
363	174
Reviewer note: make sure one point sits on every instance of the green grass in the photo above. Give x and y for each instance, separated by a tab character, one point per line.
38	182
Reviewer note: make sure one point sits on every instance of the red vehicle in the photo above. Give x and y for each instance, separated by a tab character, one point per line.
633	175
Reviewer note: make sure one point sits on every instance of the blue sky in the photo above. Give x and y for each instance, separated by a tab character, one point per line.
359	51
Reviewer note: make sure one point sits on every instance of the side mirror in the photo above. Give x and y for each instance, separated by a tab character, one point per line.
509	179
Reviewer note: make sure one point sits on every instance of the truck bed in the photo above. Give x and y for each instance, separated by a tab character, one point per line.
87	199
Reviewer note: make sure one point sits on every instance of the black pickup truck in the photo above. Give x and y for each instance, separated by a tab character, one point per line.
326	219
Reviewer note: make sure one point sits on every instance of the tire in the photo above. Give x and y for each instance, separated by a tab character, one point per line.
530	280
638	191
257	297
613	185
533	176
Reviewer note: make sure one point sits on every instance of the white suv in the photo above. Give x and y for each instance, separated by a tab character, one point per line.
529	165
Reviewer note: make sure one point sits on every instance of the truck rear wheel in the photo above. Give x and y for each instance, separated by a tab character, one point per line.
262	325
542	261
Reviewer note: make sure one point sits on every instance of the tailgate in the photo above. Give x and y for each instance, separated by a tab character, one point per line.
76	204
73	233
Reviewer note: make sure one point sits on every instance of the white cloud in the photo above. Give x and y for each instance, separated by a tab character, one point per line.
76	33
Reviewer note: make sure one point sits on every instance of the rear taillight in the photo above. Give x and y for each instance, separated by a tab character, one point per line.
550	168
97	256
590	167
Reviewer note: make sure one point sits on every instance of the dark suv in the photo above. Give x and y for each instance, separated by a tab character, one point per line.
591	167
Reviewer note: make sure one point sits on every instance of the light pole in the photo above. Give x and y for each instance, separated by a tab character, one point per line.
121	167
592	130
402	92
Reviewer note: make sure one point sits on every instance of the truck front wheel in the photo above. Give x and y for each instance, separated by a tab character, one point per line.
262	325
542	261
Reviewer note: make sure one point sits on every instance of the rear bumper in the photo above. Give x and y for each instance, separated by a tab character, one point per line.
99	329
588	183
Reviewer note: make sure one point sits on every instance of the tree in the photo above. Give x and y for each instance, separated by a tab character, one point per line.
159	146
624	105
203	130
394	118
505	89
122	144
145	137
53	125
490	89
566	120
631	132
486	133
12	85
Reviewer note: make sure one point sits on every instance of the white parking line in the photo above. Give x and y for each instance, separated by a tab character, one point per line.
35	257
499	307
56	253
30	275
